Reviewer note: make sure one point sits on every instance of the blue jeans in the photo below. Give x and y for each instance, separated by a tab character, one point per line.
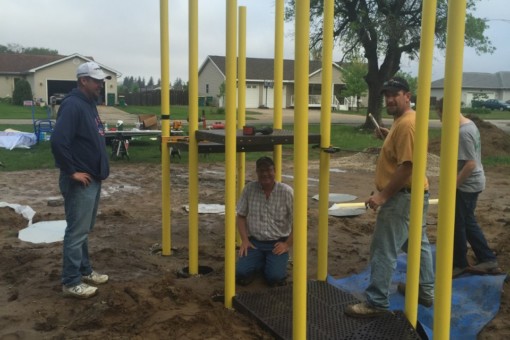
81	203
468	230
390	236
273	266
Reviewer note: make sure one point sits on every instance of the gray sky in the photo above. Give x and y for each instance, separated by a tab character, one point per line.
125	34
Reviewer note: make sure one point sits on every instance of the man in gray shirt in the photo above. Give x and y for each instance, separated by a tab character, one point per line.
470	183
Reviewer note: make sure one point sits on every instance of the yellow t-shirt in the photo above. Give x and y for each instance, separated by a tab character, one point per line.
397	149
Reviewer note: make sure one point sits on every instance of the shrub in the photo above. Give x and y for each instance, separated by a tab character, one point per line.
6	100
22	91
475	110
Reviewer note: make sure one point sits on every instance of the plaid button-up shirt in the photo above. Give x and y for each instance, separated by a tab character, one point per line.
270	218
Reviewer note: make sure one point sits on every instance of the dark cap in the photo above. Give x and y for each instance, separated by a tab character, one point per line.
264	162
395	84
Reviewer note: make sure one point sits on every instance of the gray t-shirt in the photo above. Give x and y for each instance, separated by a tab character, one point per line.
470	148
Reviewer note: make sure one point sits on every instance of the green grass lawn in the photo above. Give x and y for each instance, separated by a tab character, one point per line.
348	139
178	112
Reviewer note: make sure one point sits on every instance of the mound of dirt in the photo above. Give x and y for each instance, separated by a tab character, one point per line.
495	142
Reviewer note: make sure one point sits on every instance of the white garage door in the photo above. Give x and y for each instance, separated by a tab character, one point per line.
252	96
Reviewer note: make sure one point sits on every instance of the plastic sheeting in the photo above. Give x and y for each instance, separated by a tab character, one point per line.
44	232
204	208
475	299
10	139
24	210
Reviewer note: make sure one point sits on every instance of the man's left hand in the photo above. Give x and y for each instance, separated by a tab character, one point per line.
280	248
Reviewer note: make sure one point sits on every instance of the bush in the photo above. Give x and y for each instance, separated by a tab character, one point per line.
22	91
475	110
6	100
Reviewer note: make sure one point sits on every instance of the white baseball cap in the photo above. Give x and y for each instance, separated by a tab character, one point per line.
92	70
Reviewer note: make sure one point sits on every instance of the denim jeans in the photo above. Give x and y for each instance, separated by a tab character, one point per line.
262	258
81	203
468	230
390	236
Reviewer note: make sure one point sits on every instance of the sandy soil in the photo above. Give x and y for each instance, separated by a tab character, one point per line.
146	298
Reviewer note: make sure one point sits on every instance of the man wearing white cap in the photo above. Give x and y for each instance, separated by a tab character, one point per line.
78	146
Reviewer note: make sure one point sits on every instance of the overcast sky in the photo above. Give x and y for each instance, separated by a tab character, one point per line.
125	34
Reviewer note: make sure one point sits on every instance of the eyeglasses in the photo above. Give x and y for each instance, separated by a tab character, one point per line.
396	83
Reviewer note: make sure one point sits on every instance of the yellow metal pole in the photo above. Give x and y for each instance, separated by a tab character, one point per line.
327	76
241	101
192	128
301	67
278	83
166	243
230	153
420	159
448	166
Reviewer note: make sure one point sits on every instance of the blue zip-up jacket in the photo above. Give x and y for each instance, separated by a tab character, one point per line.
77	142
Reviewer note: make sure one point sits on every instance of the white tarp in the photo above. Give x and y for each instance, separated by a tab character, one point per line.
10	139
44	232
204	208
338	198
24	210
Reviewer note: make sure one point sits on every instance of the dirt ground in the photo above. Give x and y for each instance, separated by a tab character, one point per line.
145	297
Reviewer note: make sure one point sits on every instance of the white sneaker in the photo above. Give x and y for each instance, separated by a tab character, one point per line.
80	291
95	278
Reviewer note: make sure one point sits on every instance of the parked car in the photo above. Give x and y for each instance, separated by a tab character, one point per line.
492	104
495	104
59	97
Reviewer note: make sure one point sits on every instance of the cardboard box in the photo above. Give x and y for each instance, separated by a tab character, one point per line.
149	122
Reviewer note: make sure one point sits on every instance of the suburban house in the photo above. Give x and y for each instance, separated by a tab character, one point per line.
478	85
50	75
259	82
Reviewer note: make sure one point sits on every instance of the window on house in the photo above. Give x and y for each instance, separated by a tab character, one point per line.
206	88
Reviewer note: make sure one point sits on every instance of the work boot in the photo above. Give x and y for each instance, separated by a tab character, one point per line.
365	310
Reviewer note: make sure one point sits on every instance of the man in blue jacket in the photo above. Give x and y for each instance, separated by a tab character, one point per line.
79	149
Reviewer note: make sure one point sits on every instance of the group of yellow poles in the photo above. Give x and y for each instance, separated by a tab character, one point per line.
235	85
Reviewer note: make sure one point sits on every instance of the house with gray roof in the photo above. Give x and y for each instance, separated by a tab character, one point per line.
49	75
259	82
478	85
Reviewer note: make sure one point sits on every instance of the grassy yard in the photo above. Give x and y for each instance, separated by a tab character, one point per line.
147	150
348	139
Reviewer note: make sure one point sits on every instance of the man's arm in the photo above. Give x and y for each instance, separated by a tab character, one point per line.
466	171
398	180
243	232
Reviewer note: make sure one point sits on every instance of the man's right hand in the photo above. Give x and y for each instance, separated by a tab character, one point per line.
82	177
243	249
381	133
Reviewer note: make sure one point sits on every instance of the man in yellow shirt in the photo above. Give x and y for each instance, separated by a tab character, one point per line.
392	201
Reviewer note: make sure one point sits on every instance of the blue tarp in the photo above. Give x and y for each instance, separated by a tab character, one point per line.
475	299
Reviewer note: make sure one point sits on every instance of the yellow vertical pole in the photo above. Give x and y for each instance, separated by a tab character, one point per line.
301	70
192	128
241	100
166	243
278	83
230	153
420	158
327	76
448	166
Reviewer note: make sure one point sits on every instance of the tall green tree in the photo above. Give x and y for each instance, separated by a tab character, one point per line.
18	49
386	31
353	74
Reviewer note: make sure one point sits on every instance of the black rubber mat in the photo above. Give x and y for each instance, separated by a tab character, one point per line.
272	307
